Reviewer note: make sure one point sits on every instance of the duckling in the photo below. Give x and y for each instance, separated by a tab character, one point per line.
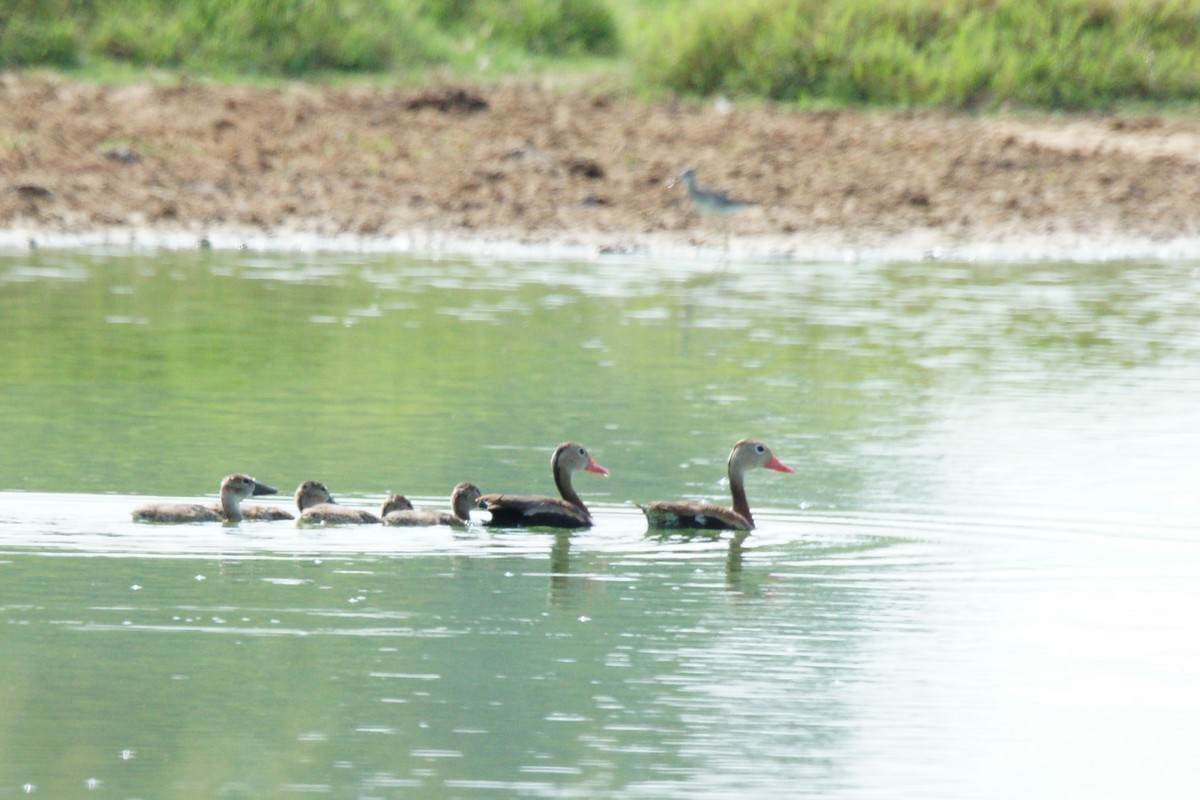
234	489
266	514
464	497
393	503
318	507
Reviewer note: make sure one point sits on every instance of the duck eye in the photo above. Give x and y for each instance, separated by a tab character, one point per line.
760	449
582	452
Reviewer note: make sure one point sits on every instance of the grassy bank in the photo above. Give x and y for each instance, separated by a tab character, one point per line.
299	38
1076	54
1072	54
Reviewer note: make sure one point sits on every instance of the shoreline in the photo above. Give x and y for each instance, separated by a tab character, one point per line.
924	246
527	169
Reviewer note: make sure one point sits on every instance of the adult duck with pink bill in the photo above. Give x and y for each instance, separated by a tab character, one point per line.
746	454
537	511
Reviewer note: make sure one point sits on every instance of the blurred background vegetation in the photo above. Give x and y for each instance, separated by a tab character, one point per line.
1068	54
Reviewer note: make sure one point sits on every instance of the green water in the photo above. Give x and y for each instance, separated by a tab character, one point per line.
981	581
163	374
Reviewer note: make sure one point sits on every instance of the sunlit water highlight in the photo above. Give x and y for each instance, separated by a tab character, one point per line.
981	583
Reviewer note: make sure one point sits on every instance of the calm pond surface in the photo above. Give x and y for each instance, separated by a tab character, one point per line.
982	581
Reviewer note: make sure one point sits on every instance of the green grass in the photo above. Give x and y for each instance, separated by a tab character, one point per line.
957	53
291	38
546	27
271	37
1072	54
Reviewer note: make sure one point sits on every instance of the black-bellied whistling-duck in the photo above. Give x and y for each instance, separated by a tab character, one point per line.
464	497
317	507
746	454
234	489
515	511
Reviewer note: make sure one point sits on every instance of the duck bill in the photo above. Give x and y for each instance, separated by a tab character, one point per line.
778	465
592	466
262	488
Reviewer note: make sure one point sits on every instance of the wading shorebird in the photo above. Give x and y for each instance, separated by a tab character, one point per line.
709	201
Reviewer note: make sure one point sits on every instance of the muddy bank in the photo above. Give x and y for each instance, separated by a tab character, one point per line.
523	164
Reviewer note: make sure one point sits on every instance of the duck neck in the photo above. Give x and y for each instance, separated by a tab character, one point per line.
231	507
562	479
738	490
460	504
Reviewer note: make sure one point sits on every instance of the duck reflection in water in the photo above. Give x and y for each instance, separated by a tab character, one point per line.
561	582
234	489
567	591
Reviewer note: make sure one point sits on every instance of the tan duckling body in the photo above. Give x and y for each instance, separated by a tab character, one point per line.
746	454
393	503
266	514
234	489
317	507
521	511
464	497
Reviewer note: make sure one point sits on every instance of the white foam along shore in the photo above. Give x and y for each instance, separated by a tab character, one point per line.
870	246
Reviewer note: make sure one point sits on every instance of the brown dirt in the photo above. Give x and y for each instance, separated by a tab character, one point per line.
528	163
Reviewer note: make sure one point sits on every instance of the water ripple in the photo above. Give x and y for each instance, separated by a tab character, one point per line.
100	525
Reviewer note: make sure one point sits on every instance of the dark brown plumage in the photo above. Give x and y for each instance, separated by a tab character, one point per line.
539	511
746	454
